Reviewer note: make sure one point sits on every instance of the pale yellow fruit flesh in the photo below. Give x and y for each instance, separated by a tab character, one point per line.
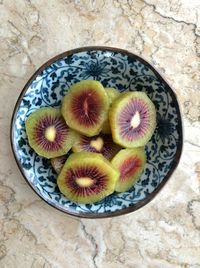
84	181
97	144
50	133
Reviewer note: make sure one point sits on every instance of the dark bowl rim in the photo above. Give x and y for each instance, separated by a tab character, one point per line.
177	156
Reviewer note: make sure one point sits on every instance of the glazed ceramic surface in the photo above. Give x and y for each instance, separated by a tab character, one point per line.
113	68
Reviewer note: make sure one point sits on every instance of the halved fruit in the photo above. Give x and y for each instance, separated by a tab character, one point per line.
85	107
132	119
113	93
48	133
87	178
101	143
130	163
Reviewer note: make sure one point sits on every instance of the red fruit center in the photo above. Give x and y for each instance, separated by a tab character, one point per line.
86	107
134	119
85	181
129	167
50	133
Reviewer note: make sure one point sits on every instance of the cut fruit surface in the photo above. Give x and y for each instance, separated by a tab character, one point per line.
132	119
85	107
113	93
101	143
130	163
87	178
48	133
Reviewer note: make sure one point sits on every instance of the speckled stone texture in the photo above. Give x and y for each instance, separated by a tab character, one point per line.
166	232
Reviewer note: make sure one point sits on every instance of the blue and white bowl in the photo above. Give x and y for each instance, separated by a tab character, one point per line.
113	68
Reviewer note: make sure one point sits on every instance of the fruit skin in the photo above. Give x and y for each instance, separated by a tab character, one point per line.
82	165
58	162
67	134
113	93
101	143
130	163
89	93
114	112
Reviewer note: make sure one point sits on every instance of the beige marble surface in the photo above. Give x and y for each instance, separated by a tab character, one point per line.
166	232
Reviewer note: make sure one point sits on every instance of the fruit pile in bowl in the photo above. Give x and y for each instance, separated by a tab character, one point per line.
97	132
86	176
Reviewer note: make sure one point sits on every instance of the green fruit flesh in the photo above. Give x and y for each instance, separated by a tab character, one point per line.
113	93
87	178
132	119
130	163
85	107
48	133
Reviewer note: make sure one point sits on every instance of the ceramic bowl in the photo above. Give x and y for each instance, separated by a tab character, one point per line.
113	68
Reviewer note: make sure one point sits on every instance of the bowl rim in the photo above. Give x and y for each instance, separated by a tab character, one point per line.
177	156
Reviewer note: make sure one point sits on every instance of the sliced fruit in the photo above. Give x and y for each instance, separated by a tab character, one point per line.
85	107
130	163
101	143
113	93
48	133
132	119
87	178
58	162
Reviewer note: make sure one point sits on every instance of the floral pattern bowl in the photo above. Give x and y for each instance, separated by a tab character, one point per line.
113	68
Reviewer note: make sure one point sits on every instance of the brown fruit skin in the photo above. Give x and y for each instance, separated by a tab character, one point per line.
70	117
58	162
91	161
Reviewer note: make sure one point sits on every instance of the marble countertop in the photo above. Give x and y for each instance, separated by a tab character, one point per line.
166	232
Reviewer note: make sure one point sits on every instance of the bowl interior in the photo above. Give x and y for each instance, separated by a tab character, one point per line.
113	68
